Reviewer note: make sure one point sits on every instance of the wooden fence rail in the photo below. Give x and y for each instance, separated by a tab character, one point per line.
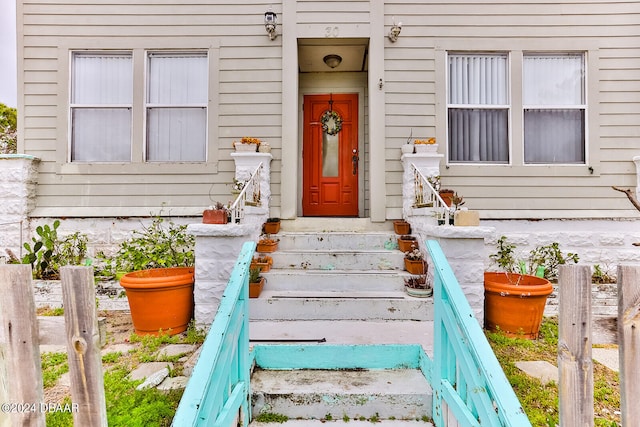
629	342
21	386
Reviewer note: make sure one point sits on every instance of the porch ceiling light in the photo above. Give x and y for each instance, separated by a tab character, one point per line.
332	60
270	22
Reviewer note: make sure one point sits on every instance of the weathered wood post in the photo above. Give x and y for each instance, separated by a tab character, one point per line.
575	366
83	346
629	342
21	391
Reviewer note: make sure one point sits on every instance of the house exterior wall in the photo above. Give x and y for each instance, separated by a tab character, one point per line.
254	91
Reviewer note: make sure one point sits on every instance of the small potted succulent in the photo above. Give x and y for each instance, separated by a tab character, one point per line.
263	262
215	214
267	244
414	261
418	286
256	282
248	144
271	226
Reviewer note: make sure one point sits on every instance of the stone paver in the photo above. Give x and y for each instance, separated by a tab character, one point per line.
608	357
540	369
175	350
146	370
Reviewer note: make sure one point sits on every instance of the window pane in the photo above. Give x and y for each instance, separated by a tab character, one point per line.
554	136
553	80
101	135
177	79
478	79
478	135
176	134
330	144
102	79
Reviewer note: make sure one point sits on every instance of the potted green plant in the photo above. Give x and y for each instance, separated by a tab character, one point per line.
414	261
418	286
271	226
515	300
256	282
215	214
159	287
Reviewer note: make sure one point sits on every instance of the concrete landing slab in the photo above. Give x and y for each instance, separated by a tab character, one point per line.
543	370
344	332
399	393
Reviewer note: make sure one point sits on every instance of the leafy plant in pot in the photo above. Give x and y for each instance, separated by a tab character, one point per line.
256	282
267	244
515	301
159	287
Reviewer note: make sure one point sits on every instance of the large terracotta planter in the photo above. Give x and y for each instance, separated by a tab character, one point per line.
160	299
514	303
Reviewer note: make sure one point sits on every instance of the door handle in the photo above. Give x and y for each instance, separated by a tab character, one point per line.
354	160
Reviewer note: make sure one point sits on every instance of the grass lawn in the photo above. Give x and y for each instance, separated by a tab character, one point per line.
540	401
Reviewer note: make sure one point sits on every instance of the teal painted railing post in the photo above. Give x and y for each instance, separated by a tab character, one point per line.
218	392
467	380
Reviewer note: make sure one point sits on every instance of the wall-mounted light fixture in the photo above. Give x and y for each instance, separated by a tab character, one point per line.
332	60
270	22
394	32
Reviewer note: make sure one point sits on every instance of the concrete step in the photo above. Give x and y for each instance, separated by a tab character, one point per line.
302	224
337	240
343	332
338	423
340	259
316	394
286	279
324	305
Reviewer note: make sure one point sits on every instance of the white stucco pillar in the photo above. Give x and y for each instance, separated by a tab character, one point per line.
18	181
428	164
636	160
217	249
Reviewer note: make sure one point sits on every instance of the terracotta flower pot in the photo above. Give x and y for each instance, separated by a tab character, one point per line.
447	196
415	266
215	216
514	303
266	246
406	245
255	288
263	266
271	227
160	299
401	227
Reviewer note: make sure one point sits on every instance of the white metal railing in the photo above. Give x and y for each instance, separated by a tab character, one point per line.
249	196
427	197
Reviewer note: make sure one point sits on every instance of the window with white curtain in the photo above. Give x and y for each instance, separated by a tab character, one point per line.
554	104
101	105
176	104
478	108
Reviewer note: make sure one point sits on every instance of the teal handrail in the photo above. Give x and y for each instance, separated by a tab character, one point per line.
219	388
467	380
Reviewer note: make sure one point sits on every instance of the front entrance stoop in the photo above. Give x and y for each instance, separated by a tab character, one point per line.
340	281
339	286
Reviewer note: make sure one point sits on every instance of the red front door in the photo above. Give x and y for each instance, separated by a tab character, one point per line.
330	155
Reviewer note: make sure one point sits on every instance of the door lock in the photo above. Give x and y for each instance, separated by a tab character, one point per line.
354	160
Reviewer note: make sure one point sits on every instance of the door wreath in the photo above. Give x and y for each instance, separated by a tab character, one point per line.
331	122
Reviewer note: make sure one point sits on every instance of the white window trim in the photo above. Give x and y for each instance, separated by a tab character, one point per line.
516	47
137	166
